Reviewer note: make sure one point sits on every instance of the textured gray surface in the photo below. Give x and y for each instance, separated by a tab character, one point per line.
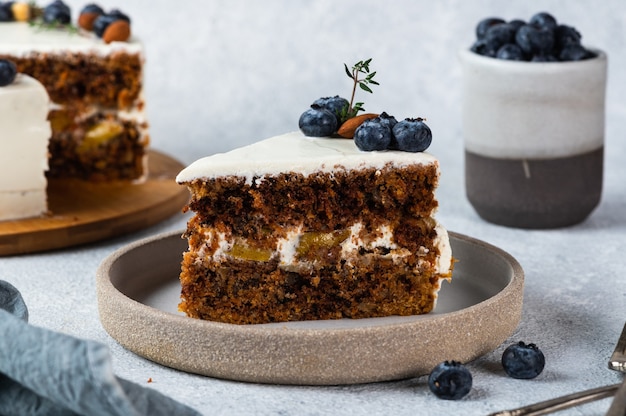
245	70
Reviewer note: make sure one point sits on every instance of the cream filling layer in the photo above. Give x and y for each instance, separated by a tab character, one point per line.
287	247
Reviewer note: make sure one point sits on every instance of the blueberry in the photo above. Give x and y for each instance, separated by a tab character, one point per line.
510	52
523	361
498	35
372	135
566	35
544	58
8	71
412	135
480	47
450	380
57	12
533	40
119	15
104	20
543	20
336	105
386	119
485	24
92	8
317	122
574	52
6	12
517	23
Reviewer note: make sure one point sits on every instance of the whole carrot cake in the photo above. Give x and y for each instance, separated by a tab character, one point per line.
303	228
92	68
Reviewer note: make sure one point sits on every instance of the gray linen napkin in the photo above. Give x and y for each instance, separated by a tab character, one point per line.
48	373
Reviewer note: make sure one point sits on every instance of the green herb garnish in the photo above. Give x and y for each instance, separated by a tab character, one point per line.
41	25
361	67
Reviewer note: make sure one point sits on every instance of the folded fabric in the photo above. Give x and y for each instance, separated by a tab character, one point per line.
43	372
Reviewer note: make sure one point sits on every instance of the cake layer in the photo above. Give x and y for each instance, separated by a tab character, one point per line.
535	193
97	145
298	228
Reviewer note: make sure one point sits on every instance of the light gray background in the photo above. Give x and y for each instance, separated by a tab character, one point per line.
221	74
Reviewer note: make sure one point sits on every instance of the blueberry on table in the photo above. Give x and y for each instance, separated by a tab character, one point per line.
372	135
336	105
412	135
8	72
57	12
450	380
524	361
317	122
485	24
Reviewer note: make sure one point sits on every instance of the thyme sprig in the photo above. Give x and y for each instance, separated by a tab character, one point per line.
356	74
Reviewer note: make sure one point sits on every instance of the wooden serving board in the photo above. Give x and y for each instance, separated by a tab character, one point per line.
84	212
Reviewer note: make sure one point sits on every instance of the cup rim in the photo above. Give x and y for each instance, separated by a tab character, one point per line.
467	55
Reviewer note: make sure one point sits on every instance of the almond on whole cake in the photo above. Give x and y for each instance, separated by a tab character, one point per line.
305	228
94	77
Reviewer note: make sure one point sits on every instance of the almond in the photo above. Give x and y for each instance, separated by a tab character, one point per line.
348	128
118	31
21	11
85	20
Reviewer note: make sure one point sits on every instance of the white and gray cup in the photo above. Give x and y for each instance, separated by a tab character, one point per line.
534	139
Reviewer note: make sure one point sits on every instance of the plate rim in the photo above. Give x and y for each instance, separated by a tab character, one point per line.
107	293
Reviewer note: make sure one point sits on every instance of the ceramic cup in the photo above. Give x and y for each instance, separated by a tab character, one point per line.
534	139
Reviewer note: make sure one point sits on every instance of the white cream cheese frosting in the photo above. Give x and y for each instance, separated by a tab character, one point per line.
24	135
294	152
20	39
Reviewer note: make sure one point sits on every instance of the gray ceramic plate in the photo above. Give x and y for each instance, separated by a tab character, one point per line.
138	293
